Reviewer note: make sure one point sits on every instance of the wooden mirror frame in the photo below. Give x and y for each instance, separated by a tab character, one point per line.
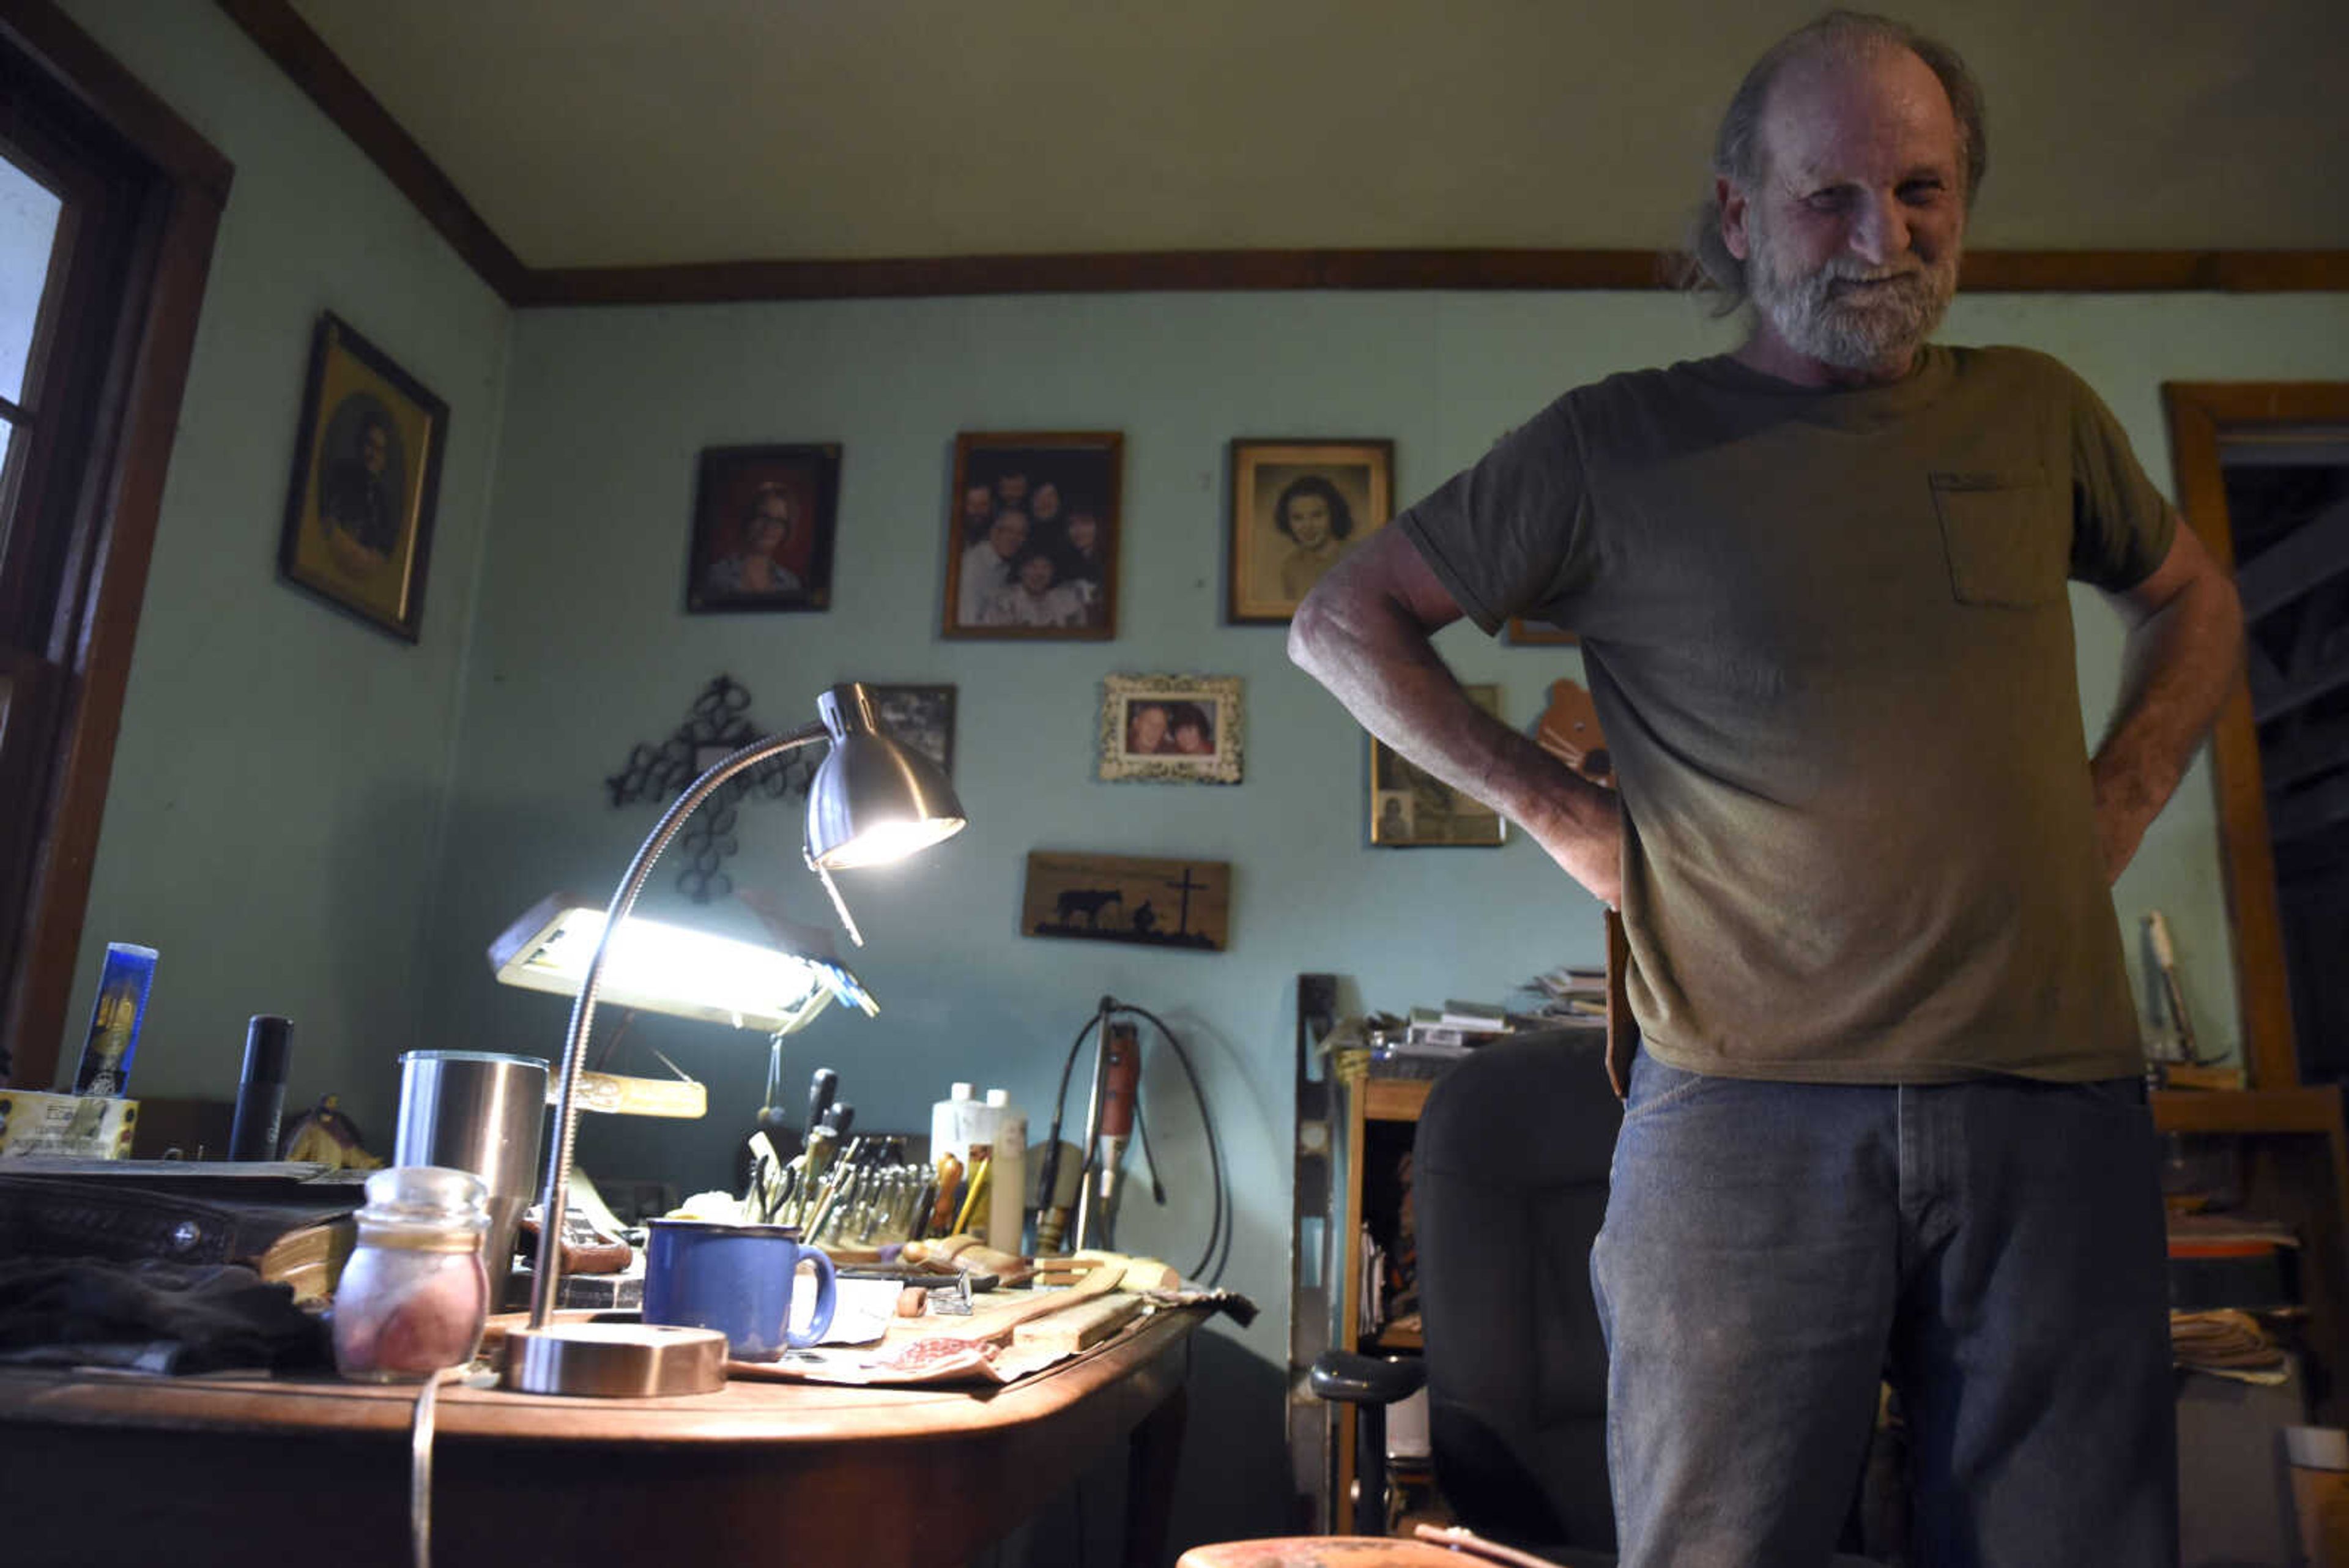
2202	415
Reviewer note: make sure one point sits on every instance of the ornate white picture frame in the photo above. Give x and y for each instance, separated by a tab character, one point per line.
1171	729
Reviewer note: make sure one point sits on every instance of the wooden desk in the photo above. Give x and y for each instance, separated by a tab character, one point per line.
97	1471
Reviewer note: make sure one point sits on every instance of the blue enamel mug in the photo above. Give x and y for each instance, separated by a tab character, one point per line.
735	1279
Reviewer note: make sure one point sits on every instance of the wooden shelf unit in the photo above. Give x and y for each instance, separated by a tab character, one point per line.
2294	1151
1366	1102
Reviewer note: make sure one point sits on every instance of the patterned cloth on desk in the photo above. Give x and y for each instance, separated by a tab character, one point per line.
151	1317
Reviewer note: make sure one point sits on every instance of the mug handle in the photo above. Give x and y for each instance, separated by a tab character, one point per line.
826	1290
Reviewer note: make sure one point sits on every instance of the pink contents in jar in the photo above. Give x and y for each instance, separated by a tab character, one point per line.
414	1297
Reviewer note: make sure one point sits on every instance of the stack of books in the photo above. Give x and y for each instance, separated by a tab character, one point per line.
1433	1038
1574	993
1459	1025
2230	1261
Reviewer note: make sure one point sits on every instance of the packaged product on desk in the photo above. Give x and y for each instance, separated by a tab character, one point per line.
115	1017
88	1127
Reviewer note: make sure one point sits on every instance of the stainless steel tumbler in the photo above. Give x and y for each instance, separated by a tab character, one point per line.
481	1112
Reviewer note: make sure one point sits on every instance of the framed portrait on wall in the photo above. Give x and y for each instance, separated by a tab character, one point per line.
763	528
1412	808
366	476
1172	728
1032	535
1298	506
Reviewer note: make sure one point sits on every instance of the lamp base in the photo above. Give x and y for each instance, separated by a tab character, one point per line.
615	1360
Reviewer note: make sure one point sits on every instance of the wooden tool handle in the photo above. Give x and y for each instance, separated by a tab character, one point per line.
968	1253
679	1098
1000	1324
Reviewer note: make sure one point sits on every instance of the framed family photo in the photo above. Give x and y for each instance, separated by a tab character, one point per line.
1031	536
1411	808
763	528
366	476
923	717
1174	728
1298	506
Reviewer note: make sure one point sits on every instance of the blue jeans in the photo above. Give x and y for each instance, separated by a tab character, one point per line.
1993	1248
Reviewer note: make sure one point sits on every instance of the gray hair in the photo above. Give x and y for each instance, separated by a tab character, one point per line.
1738	154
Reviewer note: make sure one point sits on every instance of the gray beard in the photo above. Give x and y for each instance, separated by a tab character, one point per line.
1880	327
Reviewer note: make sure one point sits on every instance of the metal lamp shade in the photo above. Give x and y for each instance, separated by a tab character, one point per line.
873	799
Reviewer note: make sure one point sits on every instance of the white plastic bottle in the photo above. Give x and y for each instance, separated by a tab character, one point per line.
951	1122
957	1122
1007	1207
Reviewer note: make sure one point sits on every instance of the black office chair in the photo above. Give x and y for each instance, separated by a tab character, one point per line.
1509	1178
1510	1173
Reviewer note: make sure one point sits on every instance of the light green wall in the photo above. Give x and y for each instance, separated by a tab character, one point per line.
282	771
310	818
584	649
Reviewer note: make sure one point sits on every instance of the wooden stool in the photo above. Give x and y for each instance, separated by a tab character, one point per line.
1325	1551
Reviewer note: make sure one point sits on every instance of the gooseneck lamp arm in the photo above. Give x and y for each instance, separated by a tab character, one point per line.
872	799
556	1188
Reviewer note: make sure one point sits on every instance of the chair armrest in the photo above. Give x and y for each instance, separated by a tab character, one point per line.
1351	1379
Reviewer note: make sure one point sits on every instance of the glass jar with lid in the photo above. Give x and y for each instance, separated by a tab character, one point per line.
414	1297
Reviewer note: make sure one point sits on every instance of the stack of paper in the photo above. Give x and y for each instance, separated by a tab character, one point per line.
2227	1344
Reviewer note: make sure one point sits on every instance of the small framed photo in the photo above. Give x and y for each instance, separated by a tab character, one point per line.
923	717
1031	536
1411	808
366	476
1298	506
1174	729
763	528
1524	633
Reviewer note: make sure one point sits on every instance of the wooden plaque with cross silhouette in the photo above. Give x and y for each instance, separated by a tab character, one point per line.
1125	898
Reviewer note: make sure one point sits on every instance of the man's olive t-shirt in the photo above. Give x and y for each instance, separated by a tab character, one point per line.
1830	643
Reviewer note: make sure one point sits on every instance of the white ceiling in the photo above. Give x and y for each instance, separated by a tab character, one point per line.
609	132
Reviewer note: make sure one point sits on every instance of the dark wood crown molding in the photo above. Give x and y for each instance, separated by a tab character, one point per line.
319	72
1137	271
304	56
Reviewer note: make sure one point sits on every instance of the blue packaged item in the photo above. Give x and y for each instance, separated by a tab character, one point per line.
114	1019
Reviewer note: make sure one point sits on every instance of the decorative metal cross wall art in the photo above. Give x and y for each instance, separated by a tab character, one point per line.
719	722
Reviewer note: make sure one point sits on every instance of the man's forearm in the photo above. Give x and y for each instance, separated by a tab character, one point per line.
2178	667
1378	662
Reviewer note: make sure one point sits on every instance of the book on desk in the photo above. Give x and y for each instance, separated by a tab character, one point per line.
289	1222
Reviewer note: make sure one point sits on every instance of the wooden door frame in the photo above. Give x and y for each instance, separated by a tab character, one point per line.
119	503
2202	415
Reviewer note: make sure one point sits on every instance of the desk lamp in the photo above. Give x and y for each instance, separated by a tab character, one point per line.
872	801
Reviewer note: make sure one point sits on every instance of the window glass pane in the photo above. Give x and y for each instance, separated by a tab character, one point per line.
28	229
9	442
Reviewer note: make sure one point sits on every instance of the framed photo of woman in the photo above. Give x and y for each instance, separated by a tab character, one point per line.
1298	506
763	528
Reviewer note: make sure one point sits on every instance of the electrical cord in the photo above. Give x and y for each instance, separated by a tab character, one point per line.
1219	1233
1209	1268
1047	1175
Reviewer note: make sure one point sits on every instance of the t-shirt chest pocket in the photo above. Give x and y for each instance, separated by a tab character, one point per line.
2008	536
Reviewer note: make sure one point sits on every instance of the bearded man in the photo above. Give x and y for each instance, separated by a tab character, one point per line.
1888	1120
